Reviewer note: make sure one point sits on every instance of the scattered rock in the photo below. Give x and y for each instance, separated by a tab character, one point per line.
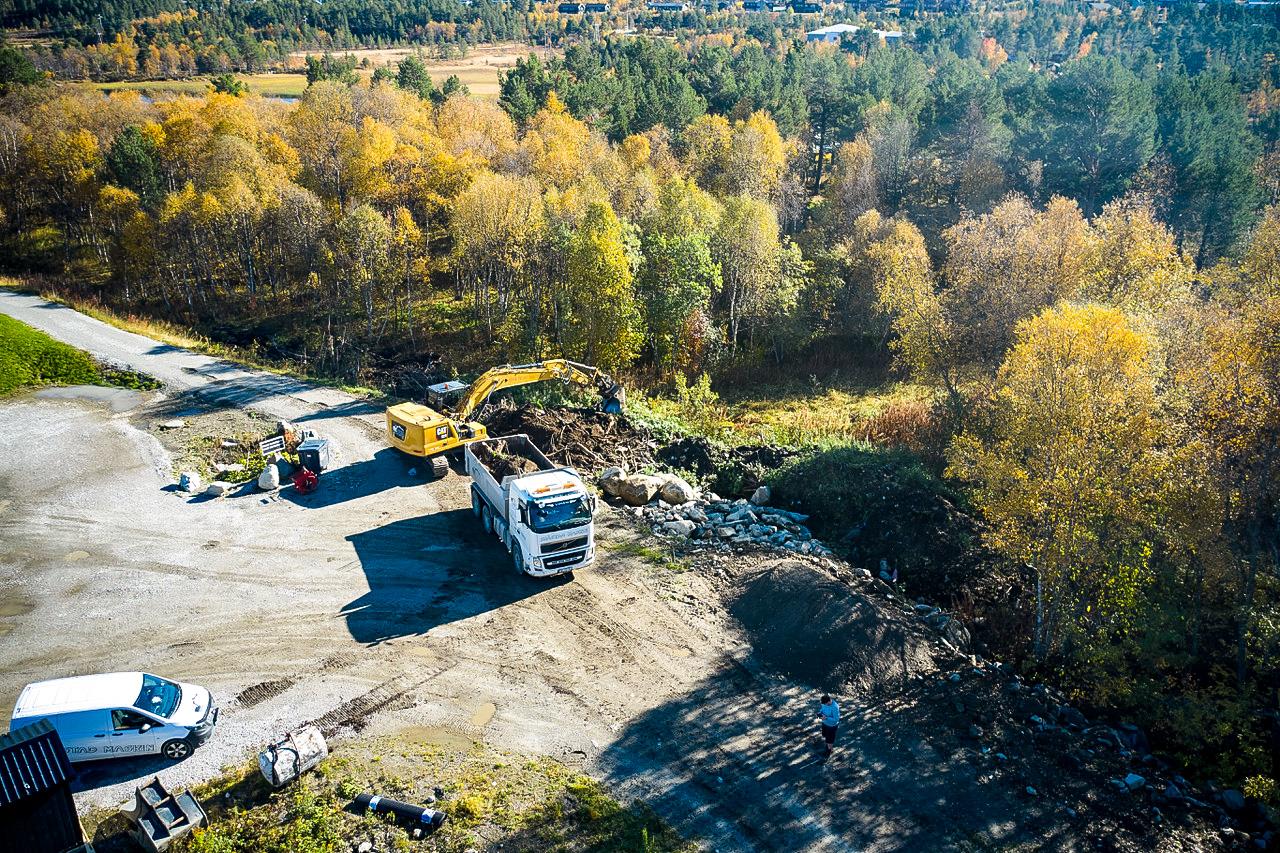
190	482
611	480
175	423
220	468
365	847
675	490
679	527
269	479
761	496
217	489
1133	781
1233	800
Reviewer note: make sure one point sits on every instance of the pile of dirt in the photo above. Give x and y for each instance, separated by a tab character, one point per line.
584	438
502	461
829	636
729	471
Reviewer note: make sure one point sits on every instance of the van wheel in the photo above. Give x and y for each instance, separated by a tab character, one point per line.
476	503
486	519
517	557
176	749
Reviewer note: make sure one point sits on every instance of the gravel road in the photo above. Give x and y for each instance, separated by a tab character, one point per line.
374	604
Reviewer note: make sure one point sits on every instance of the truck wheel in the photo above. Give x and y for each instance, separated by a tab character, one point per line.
176	749
476	503
517	557
486	519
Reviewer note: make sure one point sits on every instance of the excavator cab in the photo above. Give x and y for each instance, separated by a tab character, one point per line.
445	396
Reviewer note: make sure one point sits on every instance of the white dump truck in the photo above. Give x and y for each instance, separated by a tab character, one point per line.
541	512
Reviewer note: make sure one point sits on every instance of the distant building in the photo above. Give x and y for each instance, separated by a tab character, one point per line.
805	8
666	6
595	8
755	6
833	33
569	8
836	32
37	814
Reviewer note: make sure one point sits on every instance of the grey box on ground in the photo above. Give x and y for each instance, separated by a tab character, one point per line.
315	455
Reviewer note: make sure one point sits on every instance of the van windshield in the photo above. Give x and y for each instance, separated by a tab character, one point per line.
559	515
158	696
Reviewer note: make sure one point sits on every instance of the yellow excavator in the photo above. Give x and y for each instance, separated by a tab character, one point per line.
441	426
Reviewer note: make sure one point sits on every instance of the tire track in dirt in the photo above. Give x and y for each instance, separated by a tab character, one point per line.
392	694
258	693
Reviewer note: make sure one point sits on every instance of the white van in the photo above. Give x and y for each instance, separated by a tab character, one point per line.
120	714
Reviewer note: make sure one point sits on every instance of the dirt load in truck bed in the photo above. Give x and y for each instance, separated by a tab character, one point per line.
502	460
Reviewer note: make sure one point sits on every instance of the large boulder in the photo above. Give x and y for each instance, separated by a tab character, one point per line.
190	482
269	479
675	490
217	489
611	480
761	496
638	489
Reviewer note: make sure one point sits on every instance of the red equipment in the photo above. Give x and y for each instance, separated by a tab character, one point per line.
305	481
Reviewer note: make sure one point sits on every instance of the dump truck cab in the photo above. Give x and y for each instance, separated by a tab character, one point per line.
543	516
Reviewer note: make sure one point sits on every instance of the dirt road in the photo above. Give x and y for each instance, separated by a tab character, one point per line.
376	605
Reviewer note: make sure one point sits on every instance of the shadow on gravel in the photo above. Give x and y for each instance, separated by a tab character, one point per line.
344	410
429	571
99	774
738	763
388	469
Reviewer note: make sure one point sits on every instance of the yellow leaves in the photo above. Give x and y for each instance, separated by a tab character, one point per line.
635	151
1139	265
1261	266
1070	476
557	146
468	125
496	220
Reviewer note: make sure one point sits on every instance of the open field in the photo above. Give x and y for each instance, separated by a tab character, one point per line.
281	85
478	71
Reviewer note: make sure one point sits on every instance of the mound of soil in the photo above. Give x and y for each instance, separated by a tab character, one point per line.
503	461
827	635
731	471
584	438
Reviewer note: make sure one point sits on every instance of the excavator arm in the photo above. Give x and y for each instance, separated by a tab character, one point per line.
515	375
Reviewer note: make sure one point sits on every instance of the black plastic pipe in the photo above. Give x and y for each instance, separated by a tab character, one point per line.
404	811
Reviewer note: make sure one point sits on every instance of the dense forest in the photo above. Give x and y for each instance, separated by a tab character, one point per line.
1062	226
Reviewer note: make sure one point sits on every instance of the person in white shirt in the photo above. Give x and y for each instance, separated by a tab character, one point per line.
829	714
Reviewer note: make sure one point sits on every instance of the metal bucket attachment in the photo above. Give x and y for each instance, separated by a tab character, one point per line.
295	754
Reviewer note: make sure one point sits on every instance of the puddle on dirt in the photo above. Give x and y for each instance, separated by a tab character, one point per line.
77	555
484	714
437	736
118	399
16	606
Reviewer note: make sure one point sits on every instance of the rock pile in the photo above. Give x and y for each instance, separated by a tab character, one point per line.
671	507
